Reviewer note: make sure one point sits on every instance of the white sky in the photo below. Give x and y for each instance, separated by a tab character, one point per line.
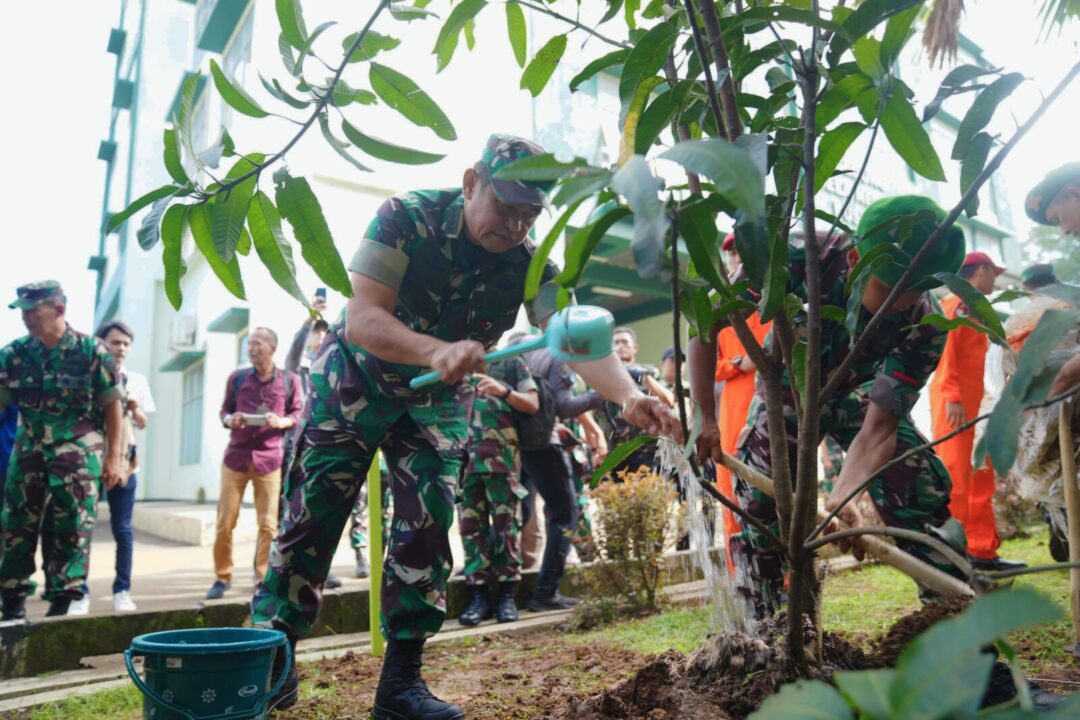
60	88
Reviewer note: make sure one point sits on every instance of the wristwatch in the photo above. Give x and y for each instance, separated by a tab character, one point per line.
508	391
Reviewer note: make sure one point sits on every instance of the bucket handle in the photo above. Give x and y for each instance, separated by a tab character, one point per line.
258	709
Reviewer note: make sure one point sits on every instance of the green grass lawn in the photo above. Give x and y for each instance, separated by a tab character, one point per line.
861	604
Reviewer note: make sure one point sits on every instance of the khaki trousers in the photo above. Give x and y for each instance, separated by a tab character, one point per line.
267	495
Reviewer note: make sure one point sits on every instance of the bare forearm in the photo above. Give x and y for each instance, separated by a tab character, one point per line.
384	336
701	359
526	402
139	418
114	417
871	448
608	377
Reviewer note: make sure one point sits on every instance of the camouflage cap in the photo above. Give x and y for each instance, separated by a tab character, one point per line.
501	150
1039	275
1040	197
880	223
29	295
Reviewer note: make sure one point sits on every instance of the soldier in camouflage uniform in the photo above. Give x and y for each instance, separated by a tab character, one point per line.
869	414
616	428
65	384
491	490
437	279
358	521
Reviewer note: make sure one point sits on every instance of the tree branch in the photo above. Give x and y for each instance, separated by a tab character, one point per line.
1004	574
942	547
569	21
323	101
732	124
841	372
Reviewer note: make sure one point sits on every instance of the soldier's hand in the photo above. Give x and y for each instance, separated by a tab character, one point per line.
454	361
954	414
132	404
236	421
851	516
111	472
489	385
649	414
708	442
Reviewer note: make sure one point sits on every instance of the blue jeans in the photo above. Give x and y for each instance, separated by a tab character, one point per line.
549	472
121	504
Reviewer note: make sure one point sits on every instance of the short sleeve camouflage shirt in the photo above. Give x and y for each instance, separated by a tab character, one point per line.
60	391
493	439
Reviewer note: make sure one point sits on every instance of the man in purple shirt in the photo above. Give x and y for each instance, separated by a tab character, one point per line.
261	403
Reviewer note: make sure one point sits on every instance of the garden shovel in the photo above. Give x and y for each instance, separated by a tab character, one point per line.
574	334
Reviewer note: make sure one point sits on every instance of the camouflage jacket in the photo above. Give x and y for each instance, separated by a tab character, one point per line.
493	439
60	391
899	359
615	427
448	287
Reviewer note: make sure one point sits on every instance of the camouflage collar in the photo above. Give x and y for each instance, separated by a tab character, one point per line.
67	340
453	220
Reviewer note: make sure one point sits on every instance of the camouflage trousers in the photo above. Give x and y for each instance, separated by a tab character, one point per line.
66	479
358	521
490	525
583	534
325	481
913	494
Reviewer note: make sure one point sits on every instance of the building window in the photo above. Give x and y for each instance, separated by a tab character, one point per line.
191	416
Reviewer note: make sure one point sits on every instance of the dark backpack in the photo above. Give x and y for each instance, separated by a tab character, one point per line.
534	431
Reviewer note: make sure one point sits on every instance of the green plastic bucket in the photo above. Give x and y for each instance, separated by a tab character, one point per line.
207	674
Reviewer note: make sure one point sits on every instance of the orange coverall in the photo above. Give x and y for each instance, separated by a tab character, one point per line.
734	405
959	378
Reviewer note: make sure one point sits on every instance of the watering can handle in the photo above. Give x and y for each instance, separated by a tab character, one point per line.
246	713
528	346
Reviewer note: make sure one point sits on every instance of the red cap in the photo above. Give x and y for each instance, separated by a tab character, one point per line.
729	242
981	258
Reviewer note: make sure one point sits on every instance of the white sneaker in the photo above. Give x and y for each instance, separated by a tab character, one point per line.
122	602
80	606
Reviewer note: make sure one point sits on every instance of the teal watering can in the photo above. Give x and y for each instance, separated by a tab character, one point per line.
574	334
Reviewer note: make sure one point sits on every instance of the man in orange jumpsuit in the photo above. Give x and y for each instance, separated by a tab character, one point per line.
736	370
955	394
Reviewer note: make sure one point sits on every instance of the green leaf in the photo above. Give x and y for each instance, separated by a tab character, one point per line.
943	323
976	303
617	455
632	115
697	228
1006	296
346	95
731	169
540	167
387	151
866	17
515	28
644	62
138	204
291	19
834	144
778	13
909	138
840	96
185	113
630	8
804	700
539	70
271	245
660	114
234	95
618	57
539	260
982	110
229	210
972	166
580	246
831	219
173	164
1003	427
577	186
228	271
798	366
954	83
148	232
172	253
636	183
897	32
613	9
275	89
309	44
402	94
752	244
757	58
372	44
243	247
287	57
408	13
447	41
930	673
854	298
776	277
298	204
340	146
867	52
833	313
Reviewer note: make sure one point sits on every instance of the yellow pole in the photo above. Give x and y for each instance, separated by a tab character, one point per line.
375	555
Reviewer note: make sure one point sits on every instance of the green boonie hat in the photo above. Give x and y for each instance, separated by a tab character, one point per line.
1039	275
875	228
501	150
29	295
1040	197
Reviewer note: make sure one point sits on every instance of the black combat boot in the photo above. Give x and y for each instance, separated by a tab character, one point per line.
402	693
14	608
289	693
479	608
506	610
59	607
